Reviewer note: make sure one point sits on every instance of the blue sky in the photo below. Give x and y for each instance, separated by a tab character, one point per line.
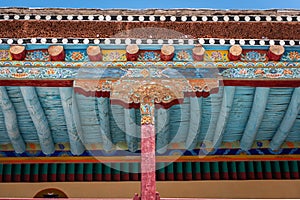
142	4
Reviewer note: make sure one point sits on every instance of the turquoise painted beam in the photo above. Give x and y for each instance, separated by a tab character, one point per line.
39	119
11	122
287	122
256	115
131	130
103	107
215	108
162	130
226	106
66	95
195	122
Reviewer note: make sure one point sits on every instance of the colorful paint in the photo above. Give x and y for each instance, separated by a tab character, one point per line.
183	56
5	55
76	56
254	56
37	55
216	56
114	55
291	56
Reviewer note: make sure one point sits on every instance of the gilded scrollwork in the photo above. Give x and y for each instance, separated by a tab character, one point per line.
145	90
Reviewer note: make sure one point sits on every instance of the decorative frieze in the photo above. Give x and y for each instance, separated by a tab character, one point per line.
149	41
153	18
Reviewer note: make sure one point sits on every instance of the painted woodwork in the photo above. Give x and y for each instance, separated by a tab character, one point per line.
226	106
57	53
275	52
18	52
76	145
167	52
94	53
195	122
287	122
198	53
39	119
11	122
104	123
132	52
235	52
162	129
163	78
131	130
255	118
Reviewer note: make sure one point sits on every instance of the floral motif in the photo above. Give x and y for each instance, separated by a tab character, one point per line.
37	55
114	55
293	56
5	55
261	73
216	56
253	56
37	73
149	56
183	55
76	56
50	71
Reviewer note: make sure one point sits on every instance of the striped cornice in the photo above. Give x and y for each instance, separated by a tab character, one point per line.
189	17
149	41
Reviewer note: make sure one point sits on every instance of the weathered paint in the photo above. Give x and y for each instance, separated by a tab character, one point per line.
39	119
258	109
287	122
66	94
11	122
148	169
195	122
103	107
162	129
227	101
131	130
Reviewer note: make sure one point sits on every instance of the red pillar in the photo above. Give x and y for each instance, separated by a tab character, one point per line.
148	185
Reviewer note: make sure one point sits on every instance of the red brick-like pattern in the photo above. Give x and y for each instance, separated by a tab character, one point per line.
97	29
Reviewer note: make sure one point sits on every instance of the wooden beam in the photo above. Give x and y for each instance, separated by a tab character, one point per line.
262	83
103	107
39	119
225	82
162	127
256	115
39	83
76	145
131	129
226	106
287	122
11	122
195	122
215	108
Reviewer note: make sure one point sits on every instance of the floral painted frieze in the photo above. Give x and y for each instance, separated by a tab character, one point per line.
254	56
114	55
216	56
291	56
5	55
37	55
261	73
76	56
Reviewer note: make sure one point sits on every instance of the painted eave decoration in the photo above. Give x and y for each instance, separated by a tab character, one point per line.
86	70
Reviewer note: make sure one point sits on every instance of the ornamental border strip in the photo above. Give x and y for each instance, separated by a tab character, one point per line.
39	73
58	64
153	18
145	41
